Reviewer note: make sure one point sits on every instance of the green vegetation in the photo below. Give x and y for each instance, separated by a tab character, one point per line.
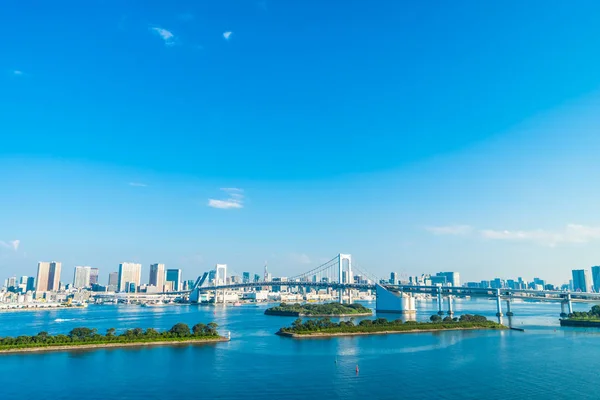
318	310
85	336
326	327
583	319
593	314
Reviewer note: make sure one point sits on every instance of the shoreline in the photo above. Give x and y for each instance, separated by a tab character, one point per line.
298	314
317	335
580	323
71	347
25	309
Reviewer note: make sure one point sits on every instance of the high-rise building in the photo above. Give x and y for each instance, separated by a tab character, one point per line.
30	284
113	282
23	280
48	276
452	278
130	275
246	277
94	272
174	275
256	278
596	278
393	278
81	277
157	276
581	280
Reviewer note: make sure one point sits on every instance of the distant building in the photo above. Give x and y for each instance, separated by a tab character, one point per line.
484	284
256	278
94	272
596	278
438	280
174	275
246	277
157	276
113	280
12	282
393	278
48	276
129	274
581	280
452	278
30	284
81	277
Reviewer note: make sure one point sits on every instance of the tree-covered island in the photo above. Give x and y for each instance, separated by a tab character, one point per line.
82	338
325	327
589	319
319	310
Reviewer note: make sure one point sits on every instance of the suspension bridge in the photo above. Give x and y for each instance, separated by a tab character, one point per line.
340	275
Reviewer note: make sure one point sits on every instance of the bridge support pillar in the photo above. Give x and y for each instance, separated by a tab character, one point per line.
569	304
508	310
498	304
450	311
562	310
439	301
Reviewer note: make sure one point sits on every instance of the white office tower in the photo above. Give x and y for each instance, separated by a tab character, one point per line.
81	277
130	277
157	276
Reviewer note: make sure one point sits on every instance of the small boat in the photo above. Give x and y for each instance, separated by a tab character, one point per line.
237	304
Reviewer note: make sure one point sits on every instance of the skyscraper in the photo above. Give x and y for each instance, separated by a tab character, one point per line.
452	278
48	276
113	282
246	277
596	278
157	276
30	284
94	272
393	278
174	275
81	277
581	280
129	273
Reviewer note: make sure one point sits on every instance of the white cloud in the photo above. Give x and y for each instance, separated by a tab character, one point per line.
12	244
17	72
167	36
227	34
572	233
137	184
235	199
450	230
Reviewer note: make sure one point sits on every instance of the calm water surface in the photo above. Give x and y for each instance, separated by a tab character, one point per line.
544	362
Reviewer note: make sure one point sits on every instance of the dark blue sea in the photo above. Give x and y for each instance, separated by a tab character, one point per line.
544	362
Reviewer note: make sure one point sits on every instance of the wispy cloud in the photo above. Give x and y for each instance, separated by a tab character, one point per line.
572	233
227	35
137	184
450	230
167	36
234	199
12	244
18	72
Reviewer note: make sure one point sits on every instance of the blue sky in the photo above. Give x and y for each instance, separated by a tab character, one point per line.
448	136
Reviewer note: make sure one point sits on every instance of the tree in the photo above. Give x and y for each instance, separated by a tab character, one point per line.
151	333
447	319
180	329
211	328
110	332
199	329
435	318
297	324
81	333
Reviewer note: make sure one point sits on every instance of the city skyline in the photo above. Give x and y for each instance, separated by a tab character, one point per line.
377	139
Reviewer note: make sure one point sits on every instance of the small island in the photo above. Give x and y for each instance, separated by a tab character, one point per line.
326	328
319	310
589	319
86	338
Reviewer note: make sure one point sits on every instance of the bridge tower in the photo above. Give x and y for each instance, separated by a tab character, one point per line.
220	279
347	277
